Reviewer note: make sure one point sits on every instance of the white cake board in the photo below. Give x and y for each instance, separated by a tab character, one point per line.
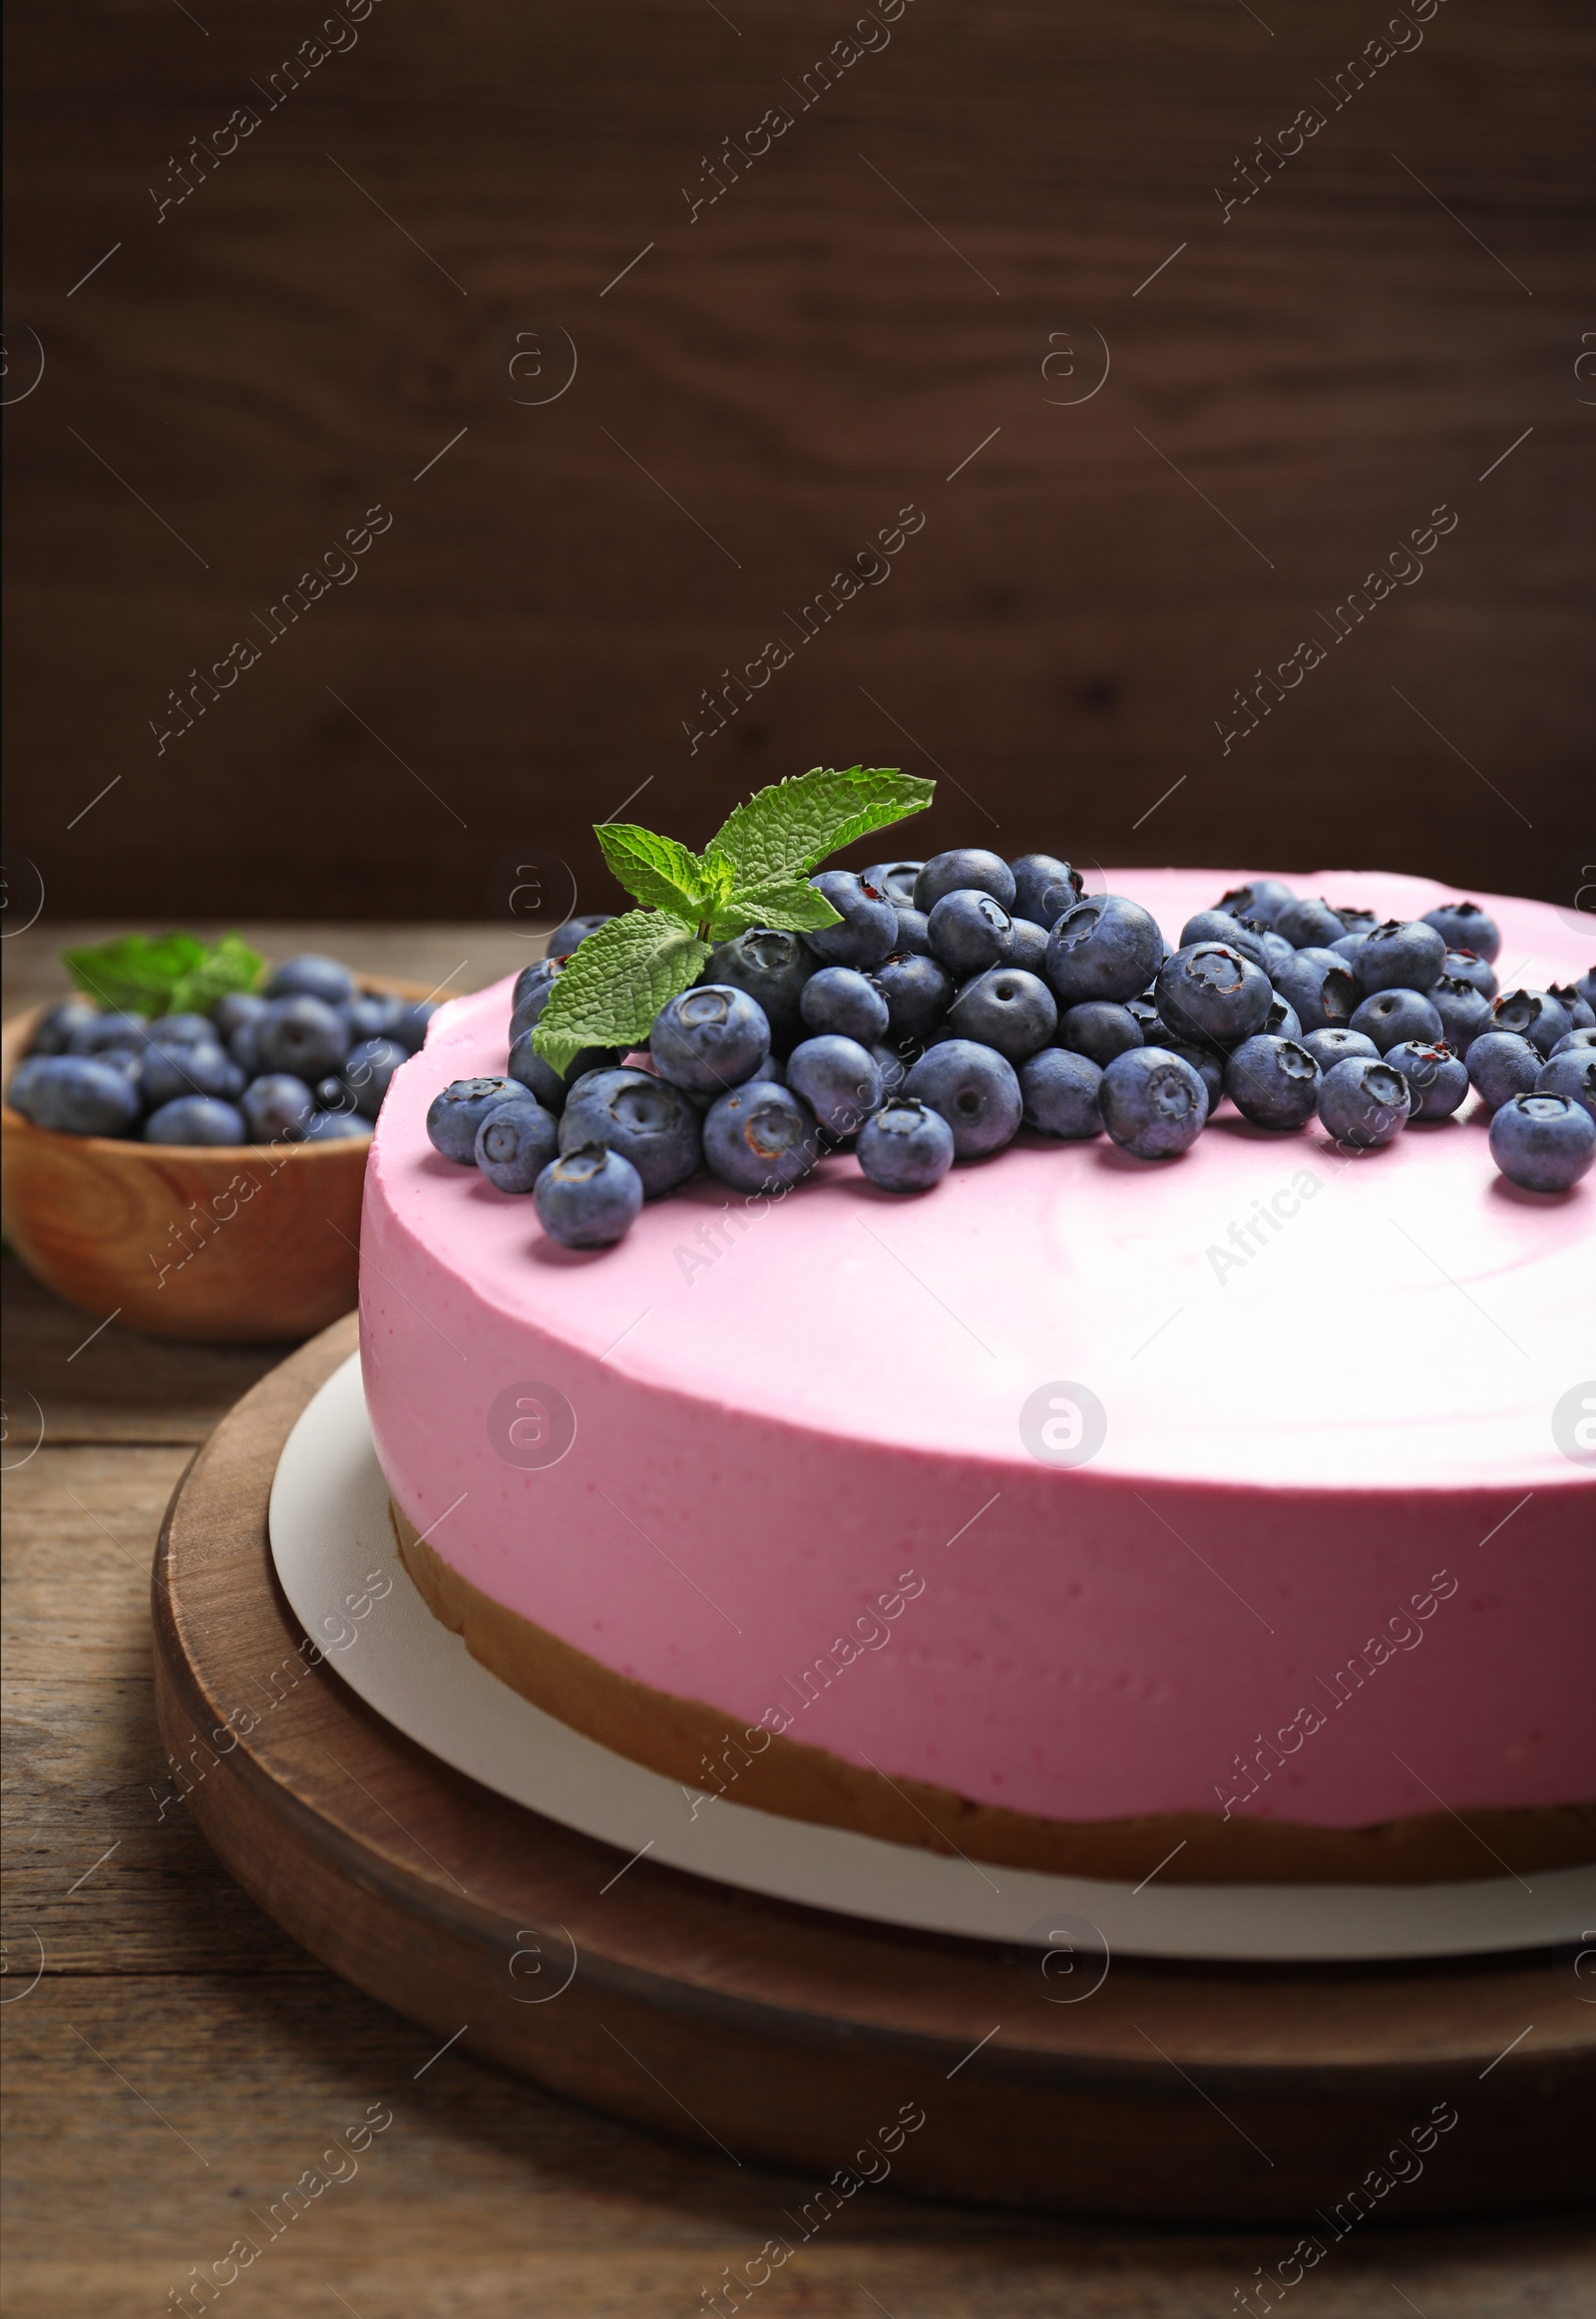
330	1531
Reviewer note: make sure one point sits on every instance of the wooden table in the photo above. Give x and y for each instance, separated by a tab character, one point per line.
178	2063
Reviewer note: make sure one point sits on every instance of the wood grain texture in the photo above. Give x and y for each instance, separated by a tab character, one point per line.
489	2196
775	2032
302	337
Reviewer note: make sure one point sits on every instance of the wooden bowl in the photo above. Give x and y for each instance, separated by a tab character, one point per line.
241	1243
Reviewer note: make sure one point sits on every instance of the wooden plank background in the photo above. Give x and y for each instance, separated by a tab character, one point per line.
341	296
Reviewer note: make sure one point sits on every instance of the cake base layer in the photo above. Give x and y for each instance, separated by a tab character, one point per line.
698	1746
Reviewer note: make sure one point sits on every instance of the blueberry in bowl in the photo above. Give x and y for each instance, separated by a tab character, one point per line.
158	1167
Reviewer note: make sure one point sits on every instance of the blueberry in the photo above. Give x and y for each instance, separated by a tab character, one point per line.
906	1147
1274	1083
334	1127
300	1034
367	1070
896	879
914	933
1401	955
587	1060
1205	1059
842	999
310	975
1463	925
647	1120
242	1045
1585	987
1571	1072
1145	1011
1501	1064
1308	924
332	1095
1320	987
772	968
892	1066
1392	1017
1533	1014
1099	1029
373	1014
534	977
276	1107
1154	1102
713	1037
454	1116
1263	900
1581	1038
1006	1008
918	993
531	997
536	1073
1217	926
76	1095
53	1035
964	868
1581	1014
869	929
589	1198
760	1137
1349	946
1208	990
22	1078
1107	948
1281	1021
1027	944
838	1079
1438	1079
1363	1103
196	1119
236	1009
410	1027
1478	972
1277	952
565	938
1543	1143
89	1034
181	1030
974	1089
1464	1012
969	932
1045	887
515	1143
167	1074
1059	1092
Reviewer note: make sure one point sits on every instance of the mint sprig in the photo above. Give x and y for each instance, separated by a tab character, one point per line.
754	872
173	974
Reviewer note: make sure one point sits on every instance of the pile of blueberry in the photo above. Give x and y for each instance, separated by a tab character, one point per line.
306	1059
963	998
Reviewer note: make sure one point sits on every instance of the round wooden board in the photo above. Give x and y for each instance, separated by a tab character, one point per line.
781	2034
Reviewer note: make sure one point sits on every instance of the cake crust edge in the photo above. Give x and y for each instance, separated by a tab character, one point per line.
696	1745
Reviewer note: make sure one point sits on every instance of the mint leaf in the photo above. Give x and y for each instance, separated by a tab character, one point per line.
789	905
231	965
785	831
173	973
615	984
656	870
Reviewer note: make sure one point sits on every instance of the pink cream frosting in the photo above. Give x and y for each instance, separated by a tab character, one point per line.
786	1412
